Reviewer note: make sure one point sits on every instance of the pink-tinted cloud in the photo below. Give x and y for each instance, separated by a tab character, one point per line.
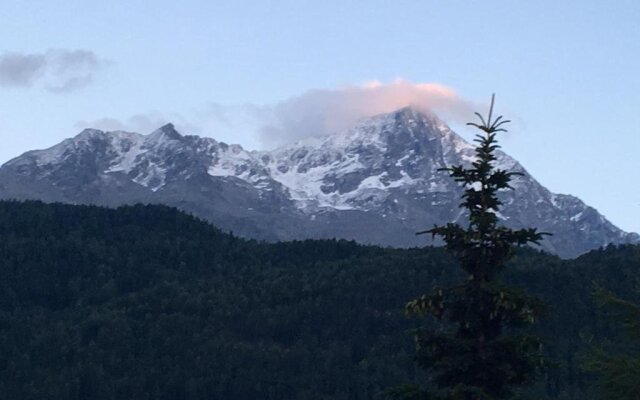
321	112
315	112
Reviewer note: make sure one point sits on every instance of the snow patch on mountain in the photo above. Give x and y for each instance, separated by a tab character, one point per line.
126	148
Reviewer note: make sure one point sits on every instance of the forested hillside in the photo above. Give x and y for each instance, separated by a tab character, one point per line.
146	302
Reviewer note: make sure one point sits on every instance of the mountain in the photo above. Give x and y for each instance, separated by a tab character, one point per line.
377	183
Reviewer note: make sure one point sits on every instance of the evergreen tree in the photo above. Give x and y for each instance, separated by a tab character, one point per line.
477	354
618	367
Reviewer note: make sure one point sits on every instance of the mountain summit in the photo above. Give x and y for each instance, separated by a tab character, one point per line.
377	182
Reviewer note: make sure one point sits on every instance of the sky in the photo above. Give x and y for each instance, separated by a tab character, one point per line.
567	73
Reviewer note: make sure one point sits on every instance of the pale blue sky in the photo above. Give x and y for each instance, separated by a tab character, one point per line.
567	72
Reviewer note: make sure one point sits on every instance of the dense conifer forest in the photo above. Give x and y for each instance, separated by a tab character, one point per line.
145	302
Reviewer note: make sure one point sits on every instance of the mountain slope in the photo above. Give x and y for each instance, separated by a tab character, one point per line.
378	182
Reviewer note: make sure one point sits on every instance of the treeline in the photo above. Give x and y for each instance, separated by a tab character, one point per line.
146	302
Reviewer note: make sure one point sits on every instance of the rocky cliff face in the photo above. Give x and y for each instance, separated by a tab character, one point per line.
377	182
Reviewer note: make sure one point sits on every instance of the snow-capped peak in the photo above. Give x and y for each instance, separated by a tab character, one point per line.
385	168
363	165
165	132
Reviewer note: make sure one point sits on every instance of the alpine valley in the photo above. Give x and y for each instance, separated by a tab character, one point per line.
376	183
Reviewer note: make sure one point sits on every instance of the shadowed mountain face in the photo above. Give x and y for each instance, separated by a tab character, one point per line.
377	183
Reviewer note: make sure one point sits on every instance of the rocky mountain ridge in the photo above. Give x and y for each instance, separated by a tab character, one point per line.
377	182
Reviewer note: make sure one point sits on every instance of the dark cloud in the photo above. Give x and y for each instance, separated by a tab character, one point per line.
21	70
57	70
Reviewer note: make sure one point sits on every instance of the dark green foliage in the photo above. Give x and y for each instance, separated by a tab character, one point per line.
617	365
146	302
472	358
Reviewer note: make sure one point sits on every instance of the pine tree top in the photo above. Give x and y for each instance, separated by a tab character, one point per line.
483	242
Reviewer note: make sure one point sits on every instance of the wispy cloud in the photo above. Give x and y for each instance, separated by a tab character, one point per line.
56	70
141	123
321	112
315	112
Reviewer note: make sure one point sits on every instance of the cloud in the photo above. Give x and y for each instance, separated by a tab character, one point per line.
20	70
57	70
315	112
142	123
321	112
